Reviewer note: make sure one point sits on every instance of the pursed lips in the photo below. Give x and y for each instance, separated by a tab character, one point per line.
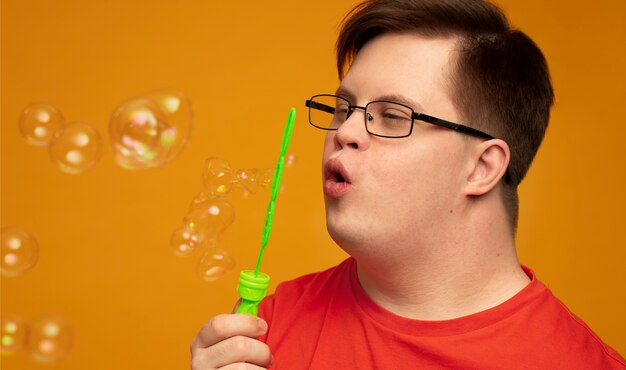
336	179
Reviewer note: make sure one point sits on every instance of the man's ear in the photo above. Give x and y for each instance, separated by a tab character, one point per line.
490	161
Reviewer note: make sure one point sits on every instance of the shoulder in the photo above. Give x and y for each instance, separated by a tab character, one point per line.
564	332
586	340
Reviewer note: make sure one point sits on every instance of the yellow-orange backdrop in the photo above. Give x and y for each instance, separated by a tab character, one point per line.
105	261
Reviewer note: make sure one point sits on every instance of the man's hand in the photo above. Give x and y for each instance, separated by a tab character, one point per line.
229	342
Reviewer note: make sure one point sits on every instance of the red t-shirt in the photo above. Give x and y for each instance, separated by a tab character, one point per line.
327	321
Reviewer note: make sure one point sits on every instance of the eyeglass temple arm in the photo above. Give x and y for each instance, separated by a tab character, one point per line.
451	125
318	106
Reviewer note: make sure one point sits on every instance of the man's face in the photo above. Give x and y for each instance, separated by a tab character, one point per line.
384	193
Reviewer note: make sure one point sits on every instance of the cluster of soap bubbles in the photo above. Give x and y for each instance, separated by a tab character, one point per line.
146	132
47	338
74	147
210	214
219	179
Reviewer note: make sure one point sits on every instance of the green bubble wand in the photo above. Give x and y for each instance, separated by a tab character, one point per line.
252	287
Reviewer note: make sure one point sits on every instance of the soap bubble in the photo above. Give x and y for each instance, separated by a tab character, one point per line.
141	135
264	178
247	180
51	338
150	131
19	251
290	160
39	122
200	198
215	262
76	148
210	219
14	333
217	176
177	109
184	241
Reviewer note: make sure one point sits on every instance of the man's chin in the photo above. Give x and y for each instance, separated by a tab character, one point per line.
346	237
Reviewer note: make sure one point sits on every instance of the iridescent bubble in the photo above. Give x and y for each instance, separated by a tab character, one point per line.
51	338
76	148
39	122
290	160
18	249
247	180
264	178
150	131
185	241
202	197
177	109
217	176
136	128
14	333
215	262
210	219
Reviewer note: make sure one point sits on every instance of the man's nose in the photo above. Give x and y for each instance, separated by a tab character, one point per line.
352	133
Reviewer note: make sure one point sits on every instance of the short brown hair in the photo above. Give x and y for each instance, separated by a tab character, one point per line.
500	81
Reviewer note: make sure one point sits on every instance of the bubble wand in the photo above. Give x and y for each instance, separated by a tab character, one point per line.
252	287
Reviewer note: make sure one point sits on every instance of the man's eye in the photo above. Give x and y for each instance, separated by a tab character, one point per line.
395	116
341	111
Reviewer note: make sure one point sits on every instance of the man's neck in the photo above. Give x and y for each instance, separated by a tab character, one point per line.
444	285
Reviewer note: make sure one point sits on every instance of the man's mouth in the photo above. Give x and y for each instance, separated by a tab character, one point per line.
336	172
336	180
336	176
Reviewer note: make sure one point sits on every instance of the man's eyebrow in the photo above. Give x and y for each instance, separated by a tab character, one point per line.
401	99
345	94
388	97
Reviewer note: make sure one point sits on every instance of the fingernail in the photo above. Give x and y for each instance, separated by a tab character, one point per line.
262	325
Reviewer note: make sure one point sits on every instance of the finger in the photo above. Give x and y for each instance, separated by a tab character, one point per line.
238	349
226	326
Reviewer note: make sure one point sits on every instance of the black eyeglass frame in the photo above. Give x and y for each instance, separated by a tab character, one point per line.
414	116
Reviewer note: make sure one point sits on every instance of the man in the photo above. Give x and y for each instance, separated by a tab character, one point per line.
426	207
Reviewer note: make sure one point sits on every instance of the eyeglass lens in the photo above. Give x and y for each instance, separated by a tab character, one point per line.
381	117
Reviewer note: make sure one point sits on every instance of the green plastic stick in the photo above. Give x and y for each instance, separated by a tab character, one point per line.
252	286
269	216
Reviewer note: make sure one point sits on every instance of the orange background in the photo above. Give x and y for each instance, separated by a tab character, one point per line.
105	261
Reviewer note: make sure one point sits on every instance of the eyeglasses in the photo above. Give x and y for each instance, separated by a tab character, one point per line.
382	118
